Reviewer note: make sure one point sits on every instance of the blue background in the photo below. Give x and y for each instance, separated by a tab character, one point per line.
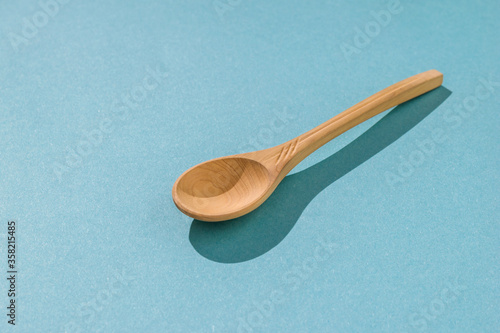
101	246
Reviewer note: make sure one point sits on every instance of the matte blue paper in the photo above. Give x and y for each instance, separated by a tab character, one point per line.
391	227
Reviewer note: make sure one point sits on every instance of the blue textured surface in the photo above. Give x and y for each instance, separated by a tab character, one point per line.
357	239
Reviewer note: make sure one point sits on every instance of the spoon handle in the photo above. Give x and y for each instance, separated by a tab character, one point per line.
398	93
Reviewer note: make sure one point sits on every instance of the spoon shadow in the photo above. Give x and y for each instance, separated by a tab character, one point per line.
256	233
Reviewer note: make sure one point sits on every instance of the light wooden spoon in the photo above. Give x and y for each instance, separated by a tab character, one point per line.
228	187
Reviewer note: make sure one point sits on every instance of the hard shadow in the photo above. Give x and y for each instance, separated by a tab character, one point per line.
254	234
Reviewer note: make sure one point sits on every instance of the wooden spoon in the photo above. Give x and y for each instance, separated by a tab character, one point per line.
228	187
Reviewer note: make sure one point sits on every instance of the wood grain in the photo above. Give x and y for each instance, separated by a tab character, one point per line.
228	187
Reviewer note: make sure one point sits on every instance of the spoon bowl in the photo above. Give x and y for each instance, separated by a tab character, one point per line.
229	184
229	187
